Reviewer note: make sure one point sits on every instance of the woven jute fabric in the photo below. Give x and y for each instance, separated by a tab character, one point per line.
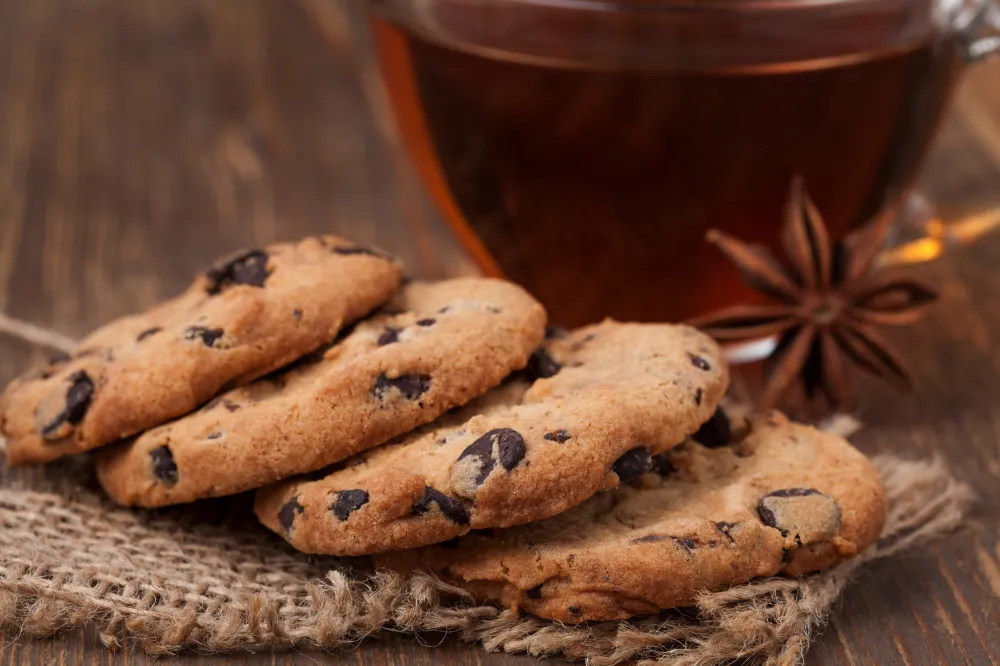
208	577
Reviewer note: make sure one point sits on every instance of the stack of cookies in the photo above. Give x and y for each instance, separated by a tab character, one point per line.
576	475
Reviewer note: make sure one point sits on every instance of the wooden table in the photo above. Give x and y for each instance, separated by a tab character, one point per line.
140	139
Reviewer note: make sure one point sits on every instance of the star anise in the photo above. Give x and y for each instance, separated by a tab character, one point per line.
827	307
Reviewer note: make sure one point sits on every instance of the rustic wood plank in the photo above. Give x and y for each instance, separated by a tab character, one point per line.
138	140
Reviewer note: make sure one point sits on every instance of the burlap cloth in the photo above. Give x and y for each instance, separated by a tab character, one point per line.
208	577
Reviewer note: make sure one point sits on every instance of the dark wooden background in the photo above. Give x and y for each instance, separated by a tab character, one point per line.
139	139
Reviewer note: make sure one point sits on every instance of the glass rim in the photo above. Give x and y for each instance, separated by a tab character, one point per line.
653	7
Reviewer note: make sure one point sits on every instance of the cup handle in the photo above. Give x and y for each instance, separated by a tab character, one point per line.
983	33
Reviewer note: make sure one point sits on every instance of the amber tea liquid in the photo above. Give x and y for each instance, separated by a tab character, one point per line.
594	187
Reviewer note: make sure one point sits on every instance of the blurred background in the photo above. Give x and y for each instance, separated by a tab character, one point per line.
140	139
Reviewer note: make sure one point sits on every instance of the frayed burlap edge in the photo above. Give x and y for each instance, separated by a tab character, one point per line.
164	581
772	620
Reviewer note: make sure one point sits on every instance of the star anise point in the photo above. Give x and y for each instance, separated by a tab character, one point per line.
828	304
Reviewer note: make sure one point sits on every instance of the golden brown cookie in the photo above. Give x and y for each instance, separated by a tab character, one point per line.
448	343
248	314
785	499
606	398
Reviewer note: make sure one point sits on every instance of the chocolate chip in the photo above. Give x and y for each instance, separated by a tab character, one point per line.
287	513
575	611
535	592
220	400
715	432
389	336
663	465
164	467
649	538
214	435
411	386
429	321
59	358
297	314
247	267
75	405
699	362
450	507
501	444
698	396
632	464
209	336
347	502
557	436
685	544
555	332
348	250
541	365
55	361
807	513
726	528
147	333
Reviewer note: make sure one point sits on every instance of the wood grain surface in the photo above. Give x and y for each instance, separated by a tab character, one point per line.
140	139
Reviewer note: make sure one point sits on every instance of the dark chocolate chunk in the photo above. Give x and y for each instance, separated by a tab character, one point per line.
535	592
287	513
59	358
450	507
685	544
699	362
348	250
389	336
767	513
411	386
297	314
214	435
164	467
698	394
715	432
347	502
429	321
557	436
148	333
78	395
247	267
55	362
510	449
725	528
649	538
632	464
541	365
221	400
209	336
663	465
575	611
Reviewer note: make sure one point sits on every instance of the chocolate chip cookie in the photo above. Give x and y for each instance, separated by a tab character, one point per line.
440	345
604	401
785	499
248	314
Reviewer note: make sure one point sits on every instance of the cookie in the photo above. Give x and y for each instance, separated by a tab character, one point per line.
447	343
786	499
605	399
248	314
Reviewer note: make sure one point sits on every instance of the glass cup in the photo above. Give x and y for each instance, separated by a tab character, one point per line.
583	147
